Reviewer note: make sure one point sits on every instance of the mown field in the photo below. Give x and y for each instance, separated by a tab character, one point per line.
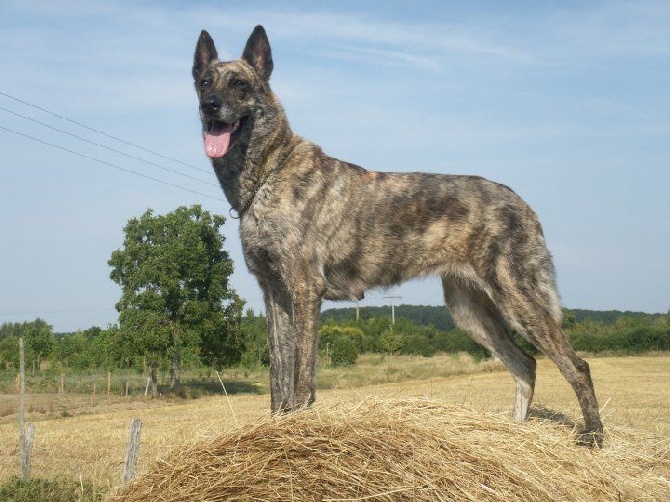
86	442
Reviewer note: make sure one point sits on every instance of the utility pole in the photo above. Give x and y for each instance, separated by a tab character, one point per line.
358	312
393	298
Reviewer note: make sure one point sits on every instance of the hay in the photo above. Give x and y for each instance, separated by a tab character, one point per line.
417	450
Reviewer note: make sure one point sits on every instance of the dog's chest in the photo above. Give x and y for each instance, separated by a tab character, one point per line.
262	244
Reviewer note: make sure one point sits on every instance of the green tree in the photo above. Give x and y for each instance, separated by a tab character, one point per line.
72	351
174	273
569	319
222	339
39	339
9	352
255	332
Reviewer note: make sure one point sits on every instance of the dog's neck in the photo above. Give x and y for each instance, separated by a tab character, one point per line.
261	150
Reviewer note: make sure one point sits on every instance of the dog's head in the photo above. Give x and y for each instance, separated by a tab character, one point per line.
230	93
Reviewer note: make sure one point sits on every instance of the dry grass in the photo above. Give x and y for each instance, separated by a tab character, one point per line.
376	369
635	392
419	450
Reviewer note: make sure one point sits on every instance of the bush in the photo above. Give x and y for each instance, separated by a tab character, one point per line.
391	341
459	341
342	344
636	340
343	351
417	344
525	345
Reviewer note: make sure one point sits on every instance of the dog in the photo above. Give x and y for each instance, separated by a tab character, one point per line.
314	227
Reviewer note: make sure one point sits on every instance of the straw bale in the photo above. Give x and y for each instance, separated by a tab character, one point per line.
418	450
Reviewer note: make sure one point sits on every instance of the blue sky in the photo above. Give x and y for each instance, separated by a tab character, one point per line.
566	102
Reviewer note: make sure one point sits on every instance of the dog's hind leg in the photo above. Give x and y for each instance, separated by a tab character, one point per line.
530	313
545	333
281	341
474	312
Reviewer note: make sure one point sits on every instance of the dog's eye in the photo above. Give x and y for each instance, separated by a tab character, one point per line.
238	82
204	82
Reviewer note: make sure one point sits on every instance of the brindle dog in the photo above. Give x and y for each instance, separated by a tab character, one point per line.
313	227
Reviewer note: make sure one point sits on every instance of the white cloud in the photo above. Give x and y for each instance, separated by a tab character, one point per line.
382	57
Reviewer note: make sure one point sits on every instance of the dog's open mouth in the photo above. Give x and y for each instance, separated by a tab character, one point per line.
219	137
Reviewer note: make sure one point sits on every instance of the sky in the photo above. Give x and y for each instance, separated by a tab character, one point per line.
566	102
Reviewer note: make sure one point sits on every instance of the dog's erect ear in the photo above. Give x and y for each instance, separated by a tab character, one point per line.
258	54
205	53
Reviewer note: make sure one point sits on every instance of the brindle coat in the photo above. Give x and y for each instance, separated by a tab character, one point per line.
313	227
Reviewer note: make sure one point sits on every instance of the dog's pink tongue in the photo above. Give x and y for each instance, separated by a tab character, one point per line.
217	140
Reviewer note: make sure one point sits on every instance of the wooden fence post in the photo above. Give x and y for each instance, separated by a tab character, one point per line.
27	451
133	451
25	434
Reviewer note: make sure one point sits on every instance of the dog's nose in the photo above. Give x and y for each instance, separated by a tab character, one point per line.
211	104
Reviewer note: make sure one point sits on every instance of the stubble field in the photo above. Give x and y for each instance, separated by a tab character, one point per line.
634	393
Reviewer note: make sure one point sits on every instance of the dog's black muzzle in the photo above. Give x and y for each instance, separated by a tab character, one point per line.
211	105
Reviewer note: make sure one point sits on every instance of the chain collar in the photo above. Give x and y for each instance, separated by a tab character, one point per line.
256	189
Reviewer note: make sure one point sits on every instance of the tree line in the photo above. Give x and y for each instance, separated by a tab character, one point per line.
342	339
596	332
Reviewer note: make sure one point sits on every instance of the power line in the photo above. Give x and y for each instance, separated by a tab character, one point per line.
109	148
104	162
97	131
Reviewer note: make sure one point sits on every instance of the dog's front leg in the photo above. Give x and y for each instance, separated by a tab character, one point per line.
281	340
306	311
